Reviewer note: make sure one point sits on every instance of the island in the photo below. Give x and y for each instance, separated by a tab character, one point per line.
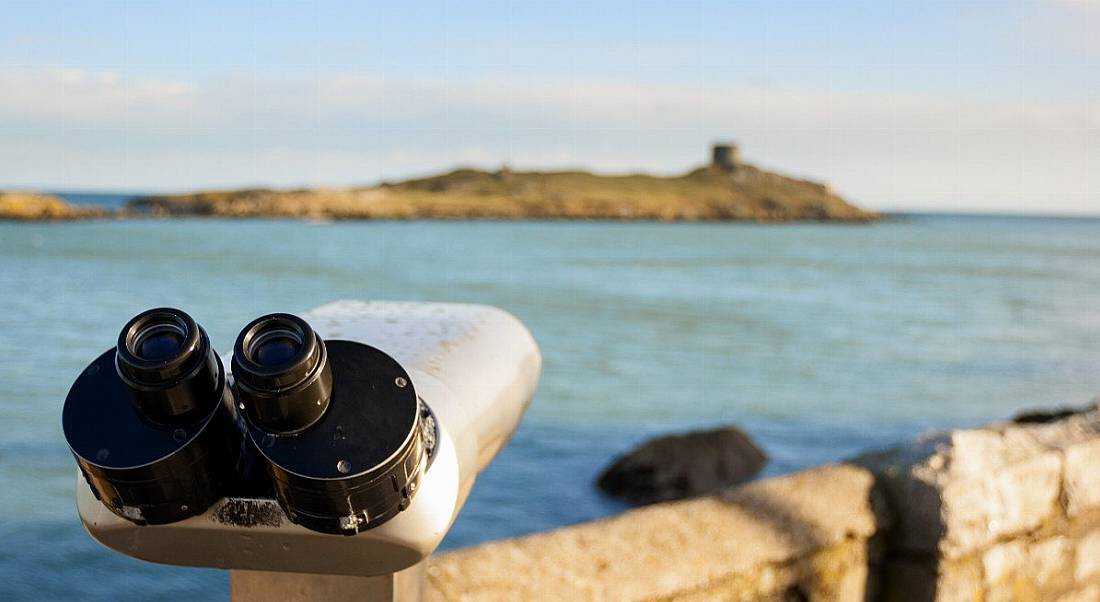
727	189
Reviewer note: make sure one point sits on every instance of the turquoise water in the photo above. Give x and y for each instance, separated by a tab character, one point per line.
821	340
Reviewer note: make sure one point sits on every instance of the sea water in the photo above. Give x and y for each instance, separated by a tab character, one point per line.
820	340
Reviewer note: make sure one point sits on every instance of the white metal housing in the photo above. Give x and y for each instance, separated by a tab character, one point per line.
475	366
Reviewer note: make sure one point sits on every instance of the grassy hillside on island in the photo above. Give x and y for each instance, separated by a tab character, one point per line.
43	207
709	193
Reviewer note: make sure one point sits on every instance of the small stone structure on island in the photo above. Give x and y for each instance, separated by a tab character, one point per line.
725	156
1010	511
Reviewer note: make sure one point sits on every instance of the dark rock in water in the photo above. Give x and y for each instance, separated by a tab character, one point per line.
680	466
1045	416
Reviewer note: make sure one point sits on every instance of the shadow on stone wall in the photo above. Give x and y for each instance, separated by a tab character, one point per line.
825	562
794	529
907	564
902	571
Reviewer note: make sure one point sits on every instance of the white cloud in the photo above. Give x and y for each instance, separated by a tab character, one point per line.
83	129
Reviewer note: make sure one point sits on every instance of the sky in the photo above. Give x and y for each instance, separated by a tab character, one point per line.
959	105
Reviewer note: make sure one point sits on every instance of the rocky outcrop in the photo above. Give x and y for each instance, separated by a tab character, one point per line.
28	206
1006	512
674	467
1042	416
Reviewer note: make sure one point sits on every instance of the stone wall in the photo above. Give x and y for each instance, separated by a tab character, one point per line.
1006	512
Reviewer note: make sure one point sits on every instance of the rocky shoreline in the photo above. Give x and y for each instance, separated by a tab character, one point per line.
744	193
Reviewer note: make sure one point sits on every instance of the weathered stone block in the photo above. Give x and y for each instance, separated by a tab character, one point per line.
1018	589
956	494
1087	559
1087	594
996	485
959	581
839	573
1082	484
1021	569
1051	564
1003	561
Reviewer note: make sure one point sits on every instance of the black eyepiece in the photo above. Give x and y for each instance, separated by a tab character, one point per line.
151	422
282	373
167	360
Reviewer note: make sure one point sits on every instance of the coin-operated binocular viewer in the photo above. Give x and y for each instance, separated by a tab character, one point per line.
325	460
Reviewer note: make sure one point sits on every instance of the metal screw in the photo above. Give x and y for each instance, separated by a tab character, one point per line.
343	466
400	382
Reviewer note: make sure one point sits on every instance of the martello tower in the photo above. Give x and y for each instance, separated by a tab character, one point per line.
725	156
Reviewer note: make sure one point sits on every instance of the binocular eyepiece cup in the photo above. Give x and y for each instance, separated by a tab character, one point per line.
166	360
282	373
150	422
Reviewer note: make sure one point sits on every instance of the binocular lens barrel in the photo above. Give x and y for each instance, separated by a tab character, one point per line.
150	422
167	361
282	373
338	424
